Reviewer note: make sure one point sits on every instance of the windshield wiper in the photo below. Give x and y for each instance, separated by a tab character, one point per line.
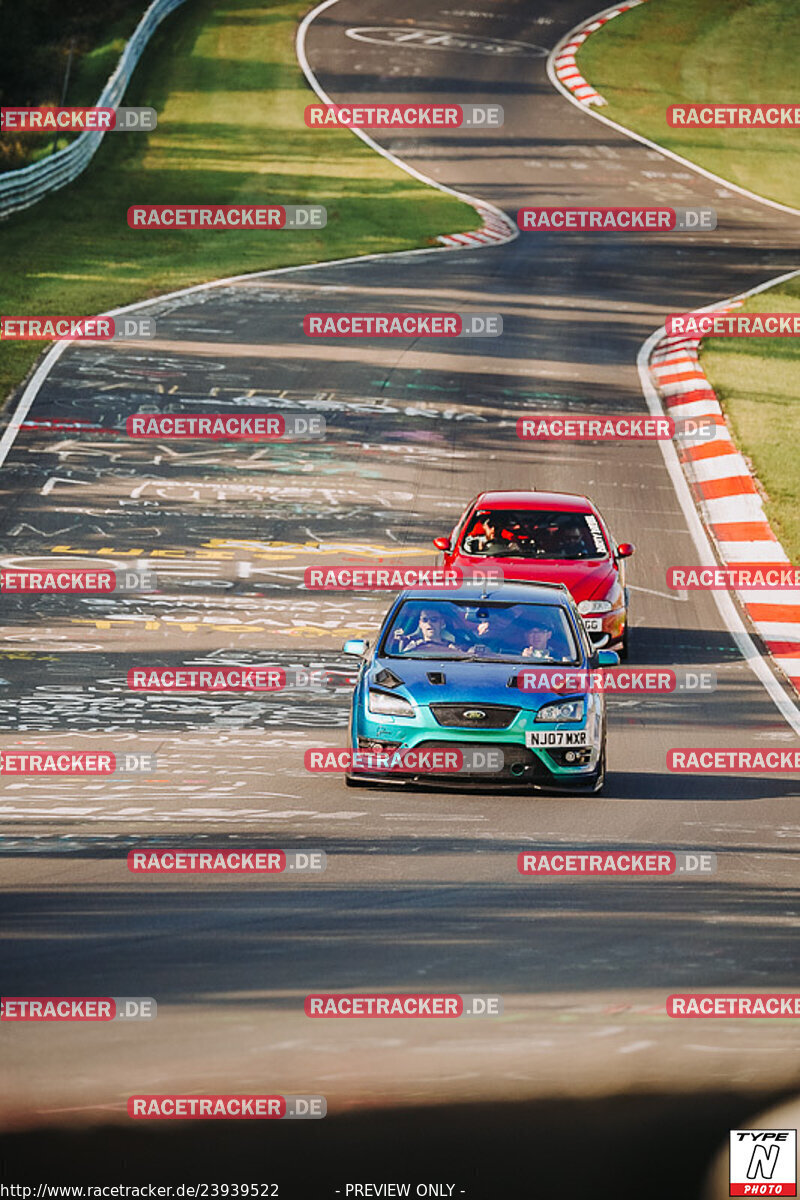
468	658
545	662
427	657
484	658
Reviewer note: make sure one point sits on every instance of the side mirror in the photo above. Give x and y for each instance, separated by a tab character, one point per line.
442	543
355	646
625	549
607	658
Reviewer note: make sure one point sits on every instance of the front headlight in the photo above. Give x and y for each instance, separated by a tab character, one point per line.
570	710
384	704
594	606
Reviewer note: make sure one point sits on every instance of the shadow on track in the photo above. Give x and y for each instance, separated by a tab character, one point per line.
630	1146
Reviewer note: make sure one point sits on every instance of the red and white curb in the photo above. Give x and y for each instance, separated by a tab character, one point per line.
564	63
727	497
494	230
568	45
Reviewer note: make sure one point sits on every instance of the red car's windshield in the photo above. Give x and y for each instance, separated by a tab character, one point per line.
535	534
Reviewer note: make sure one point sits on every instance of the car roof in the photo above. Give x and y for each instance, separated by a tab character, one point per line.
510	593
554	501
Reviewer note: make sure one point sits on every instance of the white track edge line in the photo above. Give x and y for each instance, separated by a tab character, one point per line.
724	603
727	609
314	83
54	353
638	137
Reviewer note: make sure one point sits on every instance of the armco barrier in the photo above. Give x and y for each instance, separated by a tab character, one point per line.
25	187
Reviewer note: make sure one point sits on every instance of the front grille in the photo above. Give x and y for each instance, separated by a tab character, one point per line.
496	716
528	766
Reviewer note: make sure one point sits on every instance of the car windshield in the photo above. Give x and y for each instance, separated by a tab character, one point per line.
535	534
481	631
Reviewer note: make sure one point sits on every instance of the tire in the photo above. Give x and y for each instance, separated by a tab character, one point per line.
600	775
624	645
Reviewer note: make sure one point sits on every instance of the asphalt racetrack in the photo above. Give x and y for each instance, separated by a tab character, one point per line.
421	890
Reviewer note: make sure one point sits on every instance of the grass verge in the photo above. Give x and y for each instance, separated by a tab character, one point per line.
230	98
695	51
757	381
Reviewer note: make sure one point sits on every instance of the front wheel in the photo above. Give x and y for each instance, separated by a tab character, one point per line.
599	778
624	644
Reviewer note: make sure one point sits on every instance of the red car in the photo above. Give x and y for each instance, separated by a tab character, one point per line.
552	537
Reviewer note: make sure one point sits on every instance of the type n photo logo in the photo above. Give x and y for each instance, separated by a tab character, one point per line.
763	1162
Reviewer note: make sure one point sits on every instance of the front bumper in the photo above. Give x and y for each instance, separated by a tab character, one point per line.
611	628
522	764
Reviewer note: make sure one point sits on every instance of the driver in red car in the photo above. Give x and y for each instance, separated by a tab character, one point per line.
573	542
491	540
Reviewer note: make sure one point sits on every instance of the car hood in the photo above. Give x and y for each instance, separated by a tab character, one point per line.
586	579
472	682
